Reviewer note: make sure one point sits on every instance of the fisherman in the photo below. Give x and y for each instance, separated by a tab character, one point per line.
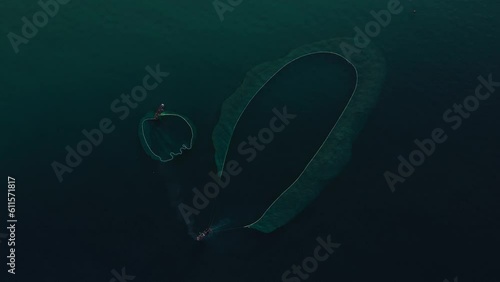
160	110
203	234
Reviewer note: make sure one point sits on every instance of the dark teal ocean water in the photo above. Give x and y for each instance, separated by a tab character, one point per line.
118	208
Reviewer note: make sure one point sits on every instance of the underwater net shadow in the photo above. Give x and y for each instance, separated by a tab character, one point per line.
333	153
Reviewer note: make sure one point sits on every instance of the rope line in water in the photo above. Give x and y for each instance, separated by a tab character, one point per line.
172	154
324	142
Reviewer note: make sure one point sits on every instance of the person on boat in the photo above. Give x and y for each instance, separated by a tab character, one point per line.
158	112
203	234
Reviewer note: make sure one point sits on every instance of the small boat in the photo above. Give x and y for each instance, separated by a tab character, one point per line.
158	112
203	234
